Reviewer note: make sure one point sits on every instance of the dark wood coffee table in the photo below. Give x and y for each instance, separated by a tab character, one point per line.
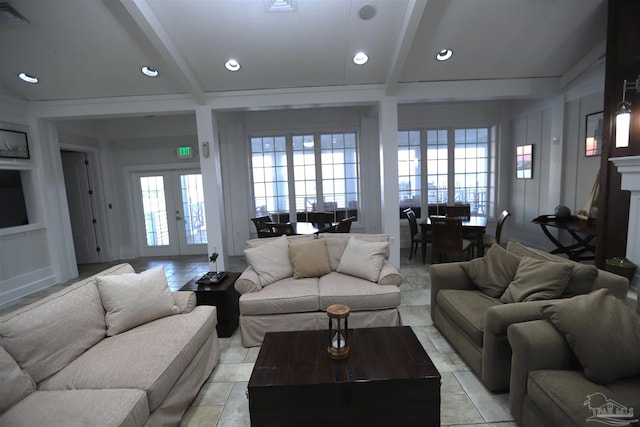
224	296
387	380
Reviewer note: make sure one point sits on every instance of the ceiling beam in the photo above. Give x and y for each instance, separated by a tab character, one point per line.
157	35
583	65
412	18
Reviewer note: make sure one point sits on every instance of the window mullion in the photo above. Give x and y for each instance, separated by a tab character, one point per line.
317	151
451	175
291	178
424	173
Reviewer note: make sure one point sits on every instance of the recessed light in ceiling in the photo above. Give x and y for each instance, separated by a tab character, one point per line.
28	78
444	54
367	12
232	65
360	58
279	5
149	71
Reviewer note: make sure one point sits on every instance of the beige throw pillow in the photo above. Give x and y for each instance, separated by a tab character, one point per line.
134	299
15	384
271	260
493	272
309	259
536	280
363	259
603	333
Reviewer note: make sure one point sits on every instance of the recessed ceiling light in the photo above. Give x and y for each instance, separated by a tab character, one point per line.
444	54
149	72
232	65
367	12
360	58
27	78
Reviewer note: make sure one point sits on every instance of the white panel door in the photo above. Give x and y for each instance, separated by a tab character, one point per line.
170	213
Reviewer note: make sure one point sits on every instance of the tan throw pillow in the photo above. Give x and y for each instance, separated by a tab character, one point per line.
537	279
603	333
309	259
15	384
493	272
134	299
271	260
363	259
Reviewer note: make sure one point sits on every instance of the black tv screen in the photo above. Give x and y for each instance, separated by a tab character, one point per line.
13	210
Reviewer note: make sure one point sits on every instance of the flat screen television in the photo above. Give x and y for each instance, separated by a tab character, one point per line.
13	210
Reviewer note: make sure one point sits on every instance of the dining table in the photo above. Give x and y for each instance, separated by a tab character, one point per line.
472	227
307	227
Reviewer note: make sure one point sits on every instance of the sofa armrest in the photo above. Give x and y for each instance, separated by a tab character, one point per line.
185	300
498	318
248	281
448	276
617	285
389	275
535	345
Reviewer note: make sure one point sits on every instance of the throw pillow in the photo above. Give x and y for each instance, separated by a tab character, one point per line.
271	260
603	333
309	259
493	272
16	383
133	299
537	279
363	259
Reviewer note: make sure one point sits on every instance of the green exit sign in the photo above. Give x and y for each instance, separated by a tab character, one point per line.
185	152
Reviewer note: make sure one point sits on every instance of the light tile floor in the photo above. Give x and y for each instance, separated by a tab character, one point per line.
222	400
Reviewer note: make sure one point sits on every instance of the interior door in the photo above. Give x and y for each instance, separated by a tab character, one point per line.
170	213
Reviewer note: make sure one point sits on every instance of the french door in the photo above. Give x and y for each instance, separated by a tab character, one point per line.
170	214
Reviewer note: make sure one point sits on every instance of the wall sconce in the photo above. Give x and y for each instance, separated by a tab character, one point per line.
623	115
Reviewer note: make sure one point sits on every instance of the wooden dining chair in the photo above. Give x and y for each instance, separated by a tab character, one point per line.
280	228
344	226
416	235
262	228
446	238
489	240
459	211
323	221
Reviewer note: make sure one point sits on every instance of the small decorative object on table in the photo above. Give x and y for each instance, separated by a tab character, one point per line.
338	346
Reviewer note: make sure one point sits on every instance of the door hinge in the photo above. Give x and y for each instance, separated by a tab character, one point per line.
91	192
95	221
86	162
98	249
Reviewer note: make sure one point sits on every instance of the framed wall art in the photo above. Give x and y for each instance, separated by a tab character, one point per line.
593	135
524	161
13	144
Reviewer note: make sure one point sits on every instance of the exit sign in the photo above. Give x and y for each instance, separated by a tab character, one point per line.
185	152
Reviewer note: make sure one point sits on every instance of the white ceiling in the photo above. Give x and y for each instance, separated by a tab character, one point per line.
82	49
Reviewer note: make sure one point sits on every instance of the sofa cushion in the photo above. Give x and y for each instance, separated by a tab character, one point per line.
337	242
602	332
356	293
536	279
582	278
363	259
493	272
467	309
133	299
16	383
270	260
154	355
561	395
284	296
309	258
46	335
80	408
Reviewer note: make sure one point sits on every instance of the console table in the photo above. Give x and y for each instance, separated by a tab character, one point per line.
583	233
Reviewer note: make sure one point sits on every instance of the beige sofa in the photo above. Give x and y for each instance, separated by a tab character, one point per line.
579	367
317	271
116	349
474	302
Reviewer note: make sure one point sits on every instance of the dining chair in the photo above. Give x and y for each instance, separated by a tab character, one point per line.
323	221
489	240
261	226
446	238
280	228
458	211
344	226
416	236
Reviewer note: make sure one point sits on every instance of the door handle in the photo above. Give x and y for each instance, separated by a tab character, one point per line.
179	218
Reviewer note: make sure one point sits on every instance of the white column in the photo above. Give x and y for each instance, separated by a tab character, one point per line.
629	168
389	206
209	148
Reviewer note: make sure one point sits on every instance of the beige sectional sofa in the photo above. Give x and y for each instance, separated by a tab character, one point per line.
116	349
580	366
291	280
474	302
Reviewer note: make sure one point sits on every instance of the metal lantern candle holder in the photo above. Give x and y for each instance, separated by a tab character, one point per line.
338	345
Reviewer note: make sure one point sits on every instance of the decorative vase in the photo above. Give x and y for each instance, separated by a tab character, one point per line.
562	212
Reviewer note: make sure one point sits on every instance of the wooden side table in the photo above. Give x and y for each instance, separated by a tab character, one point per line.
224	296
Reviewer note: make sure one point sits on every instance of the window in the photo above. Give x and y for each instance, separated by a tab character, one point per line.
456	167
296	174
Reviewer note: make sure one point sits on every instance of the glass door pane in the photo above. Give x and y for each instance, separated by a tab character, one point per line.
155	210
195	226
